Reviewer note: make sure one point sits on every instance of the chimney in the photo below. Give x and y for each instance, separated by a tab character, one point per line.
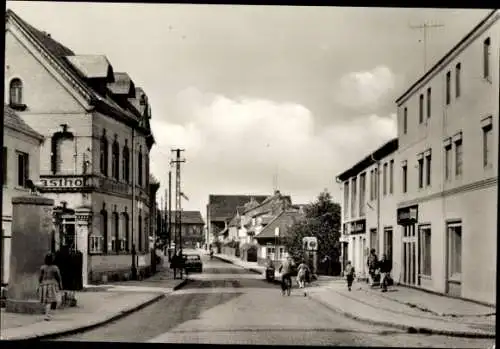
277	193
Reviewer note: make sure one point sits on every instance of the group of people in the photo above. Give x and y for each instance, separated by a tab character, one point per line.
378	271
287	270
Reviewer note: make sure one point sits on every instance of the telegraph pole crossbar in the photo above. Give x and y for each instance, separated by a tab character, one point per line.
425	27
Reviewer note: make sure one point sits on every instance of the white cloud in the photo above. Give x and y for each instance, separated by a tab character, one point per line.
365	89
235	146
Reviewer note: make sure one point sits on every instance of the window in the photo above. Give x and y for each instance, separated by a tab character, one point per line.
115	240
103	159
447	162
346	199
458	158
375	184
420	172
95	244
362	193
388	243
429	103
425	251
421	109
405	178
353	197
139	235
101	241
384	179
373	239
428	167
487	145
16	92
391	176
22	169
448	88
458	67
115	160
4	165
405	120
126	163
140	168
486	58
454	250
126	232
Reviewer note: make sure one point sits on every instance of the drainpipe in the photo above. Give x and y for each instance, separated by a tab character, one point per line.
133	269
377	178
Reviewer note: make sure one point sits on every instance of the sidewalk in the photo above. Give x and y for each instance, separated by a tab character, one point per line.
408	309
105	304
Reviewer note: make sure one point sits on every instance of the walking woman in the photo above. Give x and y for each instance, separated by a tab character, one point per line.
302	271
50	283
349	274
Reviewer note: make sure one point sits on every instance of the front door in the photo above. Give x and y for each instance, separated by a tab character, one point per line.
410	256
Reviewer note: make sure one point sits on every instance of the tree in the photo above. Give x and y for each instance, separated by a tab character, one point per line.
322	220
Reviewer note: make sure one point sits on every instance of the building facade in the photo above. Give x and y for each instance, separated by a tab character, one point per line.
448	152
191	228
20	162
95	160
370	192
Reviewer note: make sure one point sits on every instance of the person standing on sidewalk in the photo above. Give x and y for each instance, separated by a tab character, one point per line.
385	266
50	283
372	264
349	274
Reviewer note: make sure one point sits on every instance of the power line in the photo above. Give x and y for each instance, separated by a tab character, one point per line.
424	27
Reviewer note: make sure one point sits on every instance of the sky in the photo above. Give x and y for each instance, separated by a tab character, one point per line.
255	93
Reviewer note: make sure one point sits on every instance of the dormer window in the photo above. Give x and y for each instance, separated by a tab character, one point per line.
143	100
16	94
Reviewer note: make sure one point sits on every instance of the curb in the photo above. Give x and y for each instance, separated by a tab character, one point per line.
95	324
408	329
181	285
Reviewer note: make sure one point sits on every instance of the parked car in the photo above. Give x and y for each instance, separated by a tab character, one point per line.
193	263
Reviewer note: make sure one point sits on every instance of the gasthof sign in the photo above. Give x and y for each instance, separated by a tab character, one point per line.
64	182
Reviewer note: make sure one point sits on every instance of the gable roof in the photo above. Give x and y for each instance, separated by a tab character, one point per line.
223	207
189	217
60	55
14	122
283	221
277	195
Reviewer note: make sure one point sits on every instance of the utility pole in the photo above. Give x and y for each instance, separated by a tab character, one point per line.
178	198
425	27
169	226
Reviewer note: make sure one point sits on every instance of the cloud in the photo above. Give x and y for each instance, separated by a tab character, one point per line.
235	146
365	90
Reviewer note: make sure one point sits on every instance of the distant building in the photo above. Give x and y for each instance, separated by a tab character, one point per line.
368	210
95	161
20	162
192	225
448	153
221	209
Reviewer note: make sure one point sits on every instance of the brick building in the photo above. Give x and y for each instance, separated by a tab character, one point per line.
95	160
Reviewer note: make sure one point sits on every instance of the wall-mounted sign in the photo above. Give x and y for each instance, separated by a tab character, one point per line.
358	227
310	243
64	182
407	215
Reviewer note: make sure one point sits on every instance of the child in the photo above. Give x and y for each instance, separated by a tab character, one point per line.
349	274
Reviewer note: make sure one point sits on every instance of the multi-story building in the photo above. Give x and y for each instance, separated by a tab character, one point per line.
191	228
95	160
368	204
20	162
448	144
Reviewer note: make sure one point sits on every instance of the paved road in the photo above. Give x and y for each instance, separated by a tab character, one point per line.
228	305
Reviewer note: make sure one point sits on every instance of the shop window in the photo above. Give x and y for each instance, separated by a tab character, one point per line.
425	251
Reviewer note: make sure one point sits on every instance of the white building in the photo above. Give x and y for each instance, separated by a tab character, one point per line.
448	151
370	191
95	161
20	162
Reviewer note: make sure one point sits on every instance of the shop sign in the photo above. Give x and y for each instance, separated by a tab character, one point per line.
407	215
358	227
64	182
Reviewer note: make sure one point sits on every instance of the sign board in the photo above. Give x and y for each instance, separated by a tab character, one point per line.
358	227
407	215
64	182
310	243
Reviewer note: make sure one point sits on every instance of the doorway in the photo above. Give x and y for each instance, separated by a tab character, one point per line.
410	256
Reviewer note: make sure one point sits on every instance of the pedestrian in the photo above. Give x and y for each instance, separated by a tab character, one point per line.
349	273
385	267
372	264
302	271
50	283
